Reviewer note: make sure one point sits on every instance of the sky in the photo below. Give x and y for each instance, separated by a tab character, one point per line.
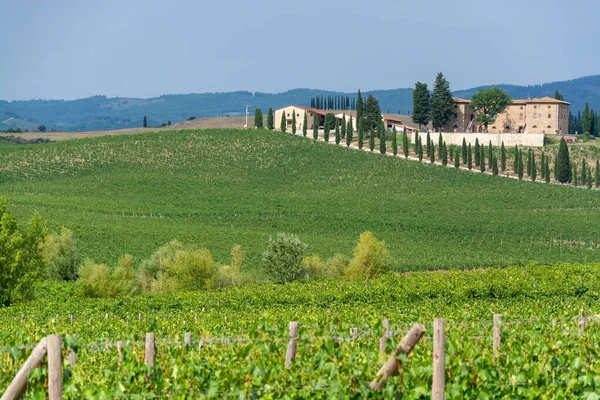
68	49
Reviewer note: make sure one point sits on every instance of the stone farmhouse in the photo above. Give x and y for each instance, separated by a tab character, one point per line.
545	115
390	121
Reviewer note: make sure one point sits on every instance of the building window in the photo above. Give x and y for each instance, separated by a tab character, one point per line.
455	106
521	115
548	127
549	115
521	108
455	115
288	114
534	127
534	115
549	107
534	106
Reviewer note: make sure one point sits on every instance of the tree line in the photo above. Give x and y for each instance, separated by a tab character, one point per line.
333	103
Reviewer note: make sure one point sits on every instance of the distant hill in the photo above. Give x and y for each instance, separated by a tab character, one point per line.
103	113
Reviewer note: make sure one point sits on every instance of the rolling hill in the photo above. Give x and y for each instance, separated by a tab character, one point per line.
104	113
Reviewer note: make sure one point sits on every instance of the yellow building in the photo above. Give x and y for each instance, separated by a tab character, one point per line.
545	115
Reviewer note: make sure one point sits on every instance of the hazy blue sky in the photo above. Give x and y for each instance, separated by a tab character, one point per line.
66	49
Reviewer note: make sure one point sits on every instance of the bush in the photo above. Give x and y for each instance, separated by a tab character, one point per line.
61	256
334	268
371	258
150	269
189	270
21	261
282	261
97	280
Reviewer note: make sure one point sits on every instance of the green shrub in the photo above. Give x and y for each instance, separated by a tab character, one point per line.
371	258
189	270
21	261
282	261
61	256
334	268
97	280
150	269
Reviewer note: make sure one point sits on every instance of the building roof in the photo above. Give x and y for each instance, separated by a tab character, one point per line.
545	100
310	109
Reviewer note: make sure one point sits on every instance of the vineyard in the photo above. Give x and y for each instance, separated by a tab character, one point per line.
216	188
239	338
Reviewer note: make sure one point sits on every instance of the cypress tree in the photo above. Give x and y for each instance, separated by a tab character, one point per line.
547	172
440	141
359	110
293	122
338	136
326	128
382	137
145	123
405	143
304	123
464	151
533	167
283	126
421	105
343	127
495	166
452	151
469	158
490	154
516	161
416	141
349	132
361	134
258	118
542	169
597	174
420	150
575	177
428	145
432	153
589	178
503	157
394	141
482	159
477	152
442	103
270	123
456	160
444	154
583	172
562	164
315	126
529	162
371	141
520	165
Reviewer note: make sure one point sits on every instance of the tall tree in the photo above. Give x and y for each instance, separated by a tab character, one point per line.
469	157
361	134
343	127
562	164
432	153
420	150
315	126
456	160
529	162
520	165
382	137
428	145
349	132
442	104
464	151
283	125
372	114
145	122
488	103
542	163
583	172
503	157
558	96
394	141
294	122
270	123
326	127
490	154
597	174
495	166
477	153
547	171
258	118
586	121
338	136
533	167
304	124
405	143
421	105
359	110
482	159
372	141
444	150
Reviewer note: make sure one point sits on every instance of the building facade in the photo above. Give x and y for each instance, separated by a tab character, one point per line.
545	115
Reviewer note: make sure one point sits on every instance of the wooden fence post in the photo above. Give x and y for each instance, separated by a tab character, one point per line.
187	338
290	354
149	353
354	333
17	387
582	322
497	332
386	335
120	350
391	366
54	367
72	357
439	359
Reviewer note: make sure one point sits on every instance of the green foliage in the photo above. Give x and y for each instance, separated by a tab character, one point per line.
361	134
293	122
338	137
562	165
456	160
444	156
597	174
520	164
477	153
503	157
490	154
372	114
61	257
442	103
371	258
188	270
372	141
495	166
343	126
421	105
381	133
349	132
270	120
533	167
482	158
315	126
469	158
464	151
394	142
283	125
282	261
304	125
42	128
99	281
583	172
405	146
21	260
258	118
488	103
145	122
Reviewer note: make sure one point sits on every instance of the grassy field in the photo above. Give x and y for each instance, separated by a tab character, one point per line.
216	188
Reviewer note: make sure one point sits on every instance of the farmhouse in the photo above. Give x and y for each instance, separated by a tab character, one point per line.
545	115
390	121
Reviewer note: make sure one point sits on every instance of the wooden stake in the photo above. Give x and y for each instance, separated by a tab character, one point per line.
149	353
385	336
71	317
187	338
55	367
497	333
201	343
17	387
582	322
290	354
392	364
439	359
72	357
354	333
